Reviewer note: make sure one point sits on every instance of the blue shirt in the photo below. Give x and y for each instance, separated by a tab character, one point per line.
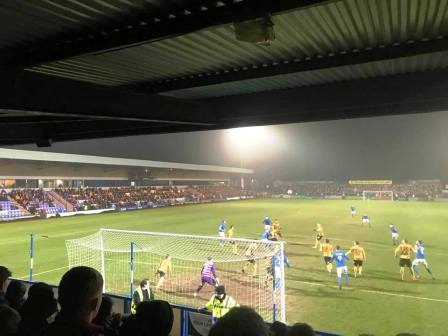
419	251
365	217
393	229
340	258
265	236
222	227
353	208
267	221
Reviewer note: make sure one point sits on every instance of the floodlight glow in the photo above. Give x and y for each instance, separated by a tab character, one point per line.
251	144
247	137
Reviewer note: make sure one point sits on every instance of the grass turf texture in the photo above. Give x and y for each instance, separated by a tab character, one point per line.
378	303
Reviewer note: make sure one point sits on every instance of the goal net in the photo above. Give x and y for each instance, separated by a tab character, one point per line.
378	195
251	270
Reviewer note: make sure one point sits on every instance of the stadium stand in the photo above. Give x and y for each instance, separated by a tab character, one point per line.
36	201
19	203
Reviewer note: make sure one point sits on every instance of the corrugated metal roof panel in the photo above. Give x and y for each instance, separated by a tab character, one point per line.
25	21
320	30
363	71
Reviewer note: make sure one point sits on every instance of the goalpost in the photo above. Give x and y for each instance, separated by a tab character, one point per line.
124	258
378	195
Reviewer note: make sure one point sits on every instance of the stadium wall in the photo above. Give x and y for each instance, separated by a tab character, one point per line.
187	321
11	170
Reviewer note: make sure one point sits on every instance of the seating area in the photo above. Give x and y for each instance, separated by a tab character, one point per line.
9	211
144	197
36	201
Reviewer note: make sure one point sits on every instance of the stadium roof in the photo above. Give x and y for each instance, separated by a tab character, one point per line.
29	164
99	68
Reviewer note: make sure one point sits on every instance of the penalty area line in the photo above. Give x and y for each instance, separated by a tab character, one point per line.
49	271
369	291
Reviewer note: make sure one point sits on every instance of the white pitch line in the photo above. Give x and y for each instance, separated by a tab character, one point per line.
49	271
370	291
403	295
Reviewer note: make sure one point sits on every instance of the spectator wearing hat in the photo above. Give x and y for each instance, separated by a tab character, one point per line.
220	303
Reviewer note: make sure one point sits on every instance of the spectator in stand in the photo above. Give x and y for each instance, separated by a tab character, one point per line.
9	321
38	310
15	294
240	321
141	294
301	329
80	294
153	318
105	317
4	275
279	329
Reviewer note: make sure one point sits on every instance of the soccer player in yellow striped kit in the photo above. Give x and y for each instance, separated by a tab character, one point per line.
327	250
359	256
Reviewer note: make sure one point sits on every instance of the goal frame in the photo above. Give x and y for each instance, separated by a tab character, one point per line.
390	192
279	304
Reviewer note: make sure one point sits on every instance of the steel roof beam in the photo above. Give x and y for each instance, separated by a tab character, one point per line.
421	92
296	65
149	26
51	96
49	132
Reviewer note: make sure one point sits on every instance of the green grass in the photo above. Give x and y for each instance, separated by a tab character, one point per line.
379	303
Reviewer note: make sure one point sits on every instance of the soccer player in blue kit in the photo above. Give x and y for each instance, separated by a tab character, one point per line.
340	258
420	259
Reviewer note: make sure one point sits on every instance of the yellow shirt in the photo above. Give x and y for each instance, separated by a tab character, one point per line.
276	226
405	250
357	252
268	263
220	308
165	266
327	249
320	231
230	232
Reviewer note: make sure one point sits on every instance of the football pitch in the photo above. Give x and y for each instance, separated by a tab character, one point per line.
378	303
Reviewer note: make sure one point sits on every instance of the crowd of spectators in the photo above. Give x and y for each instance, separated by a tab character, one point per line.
84	311
32	199
129	198
144	197
427	190
126	198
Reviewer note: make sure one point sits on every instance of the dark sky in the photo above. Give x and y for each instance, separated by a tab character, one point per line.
400	147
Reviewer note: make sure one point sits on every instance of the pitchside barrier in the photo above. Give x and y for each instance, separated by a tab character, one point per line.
187	321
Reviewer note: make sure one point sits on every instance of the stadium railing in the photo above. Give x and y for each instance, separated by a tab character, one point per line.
187	321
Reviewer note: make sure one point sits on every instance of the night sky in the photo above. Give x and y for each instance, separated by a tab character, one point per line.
399	147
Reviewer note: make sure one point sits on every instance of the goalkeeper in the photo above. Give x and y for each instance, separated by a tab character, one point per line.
163	269
208	275
220	303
